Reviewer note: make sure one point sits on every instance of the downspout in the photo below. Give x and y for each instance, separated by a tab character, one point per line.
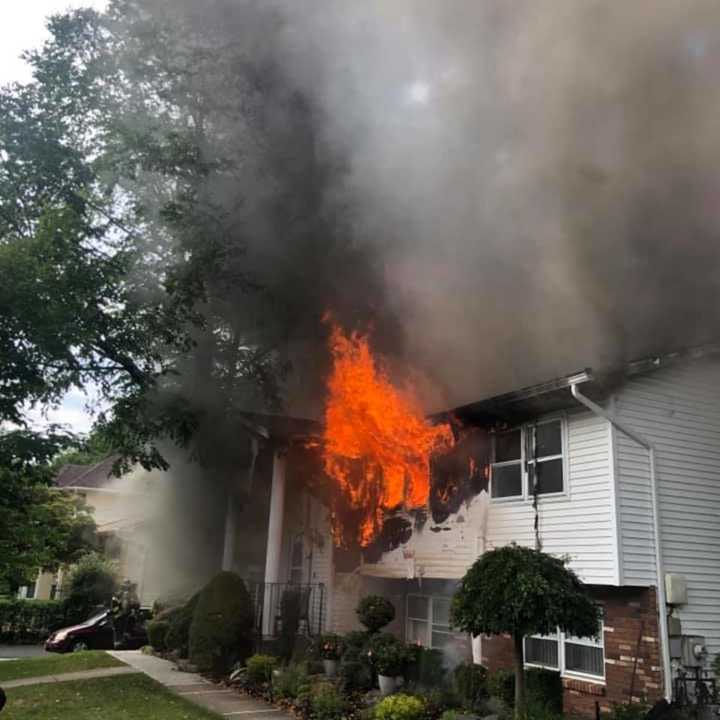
661	600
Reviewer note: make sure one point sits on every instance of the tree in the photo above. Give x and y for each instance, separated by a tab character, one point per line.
40	526
521	591
91	583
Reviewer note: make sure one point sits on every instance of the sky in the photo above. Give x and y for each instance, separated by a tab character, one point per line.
22	26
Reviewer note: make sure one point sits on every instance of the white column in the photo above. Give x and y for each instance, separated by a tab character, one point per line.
228	557
274	541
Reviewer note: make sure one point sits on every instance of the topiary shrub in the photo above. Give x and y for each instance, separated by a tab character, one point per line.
387	654
375	612
469	681
180	620
400	707
327	703
260	668
221	628
157	631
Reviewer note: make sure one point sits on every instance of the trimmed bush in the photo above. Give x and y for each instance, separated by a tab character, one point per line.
469	680
221	628
92	582
30	621
375	612
327	703
543	688
157	631
388	654
400	707
355	675
425	666
180	619
260	668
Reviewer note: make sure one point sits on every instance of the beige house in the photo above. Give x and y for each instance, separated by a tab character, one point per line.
120	509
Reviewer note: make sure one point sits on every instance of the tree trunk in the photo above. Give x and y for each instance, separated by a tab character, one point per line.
518	656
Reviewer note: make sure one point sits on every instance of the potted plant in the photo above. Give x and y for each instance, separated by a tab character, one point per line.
330	647
388	656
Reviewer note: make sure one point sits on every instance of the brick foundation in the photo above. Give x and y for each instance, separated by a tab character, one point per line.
633	669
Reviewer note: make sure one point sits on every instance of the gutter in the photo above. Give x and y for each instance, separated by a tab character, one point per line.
661	599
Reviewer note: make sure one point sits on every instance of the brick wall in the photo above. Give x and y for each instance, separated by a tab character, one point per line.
631	633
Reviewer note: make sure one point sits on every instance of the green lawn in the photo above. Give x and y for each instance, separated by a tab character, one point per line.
56	664
125	697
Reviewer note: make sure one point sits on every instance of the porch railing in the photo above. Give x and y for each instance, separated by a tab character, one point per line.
267	600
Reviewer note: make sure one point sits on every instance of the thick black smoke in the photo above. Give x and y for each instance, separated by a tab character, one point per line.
527	187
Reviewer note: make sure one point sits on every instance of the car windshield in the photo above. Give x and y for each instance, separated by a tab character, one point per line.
96	617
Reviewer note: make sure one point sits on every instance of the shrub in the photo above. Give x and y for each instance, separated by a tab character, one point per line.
628	711
330	646
469	681
180	620
387	654
355	676
327	703
375	612
425	666
715	665
544	688
355	645
290	680
221	628
157	631
91	583
29	621
400	707
260	668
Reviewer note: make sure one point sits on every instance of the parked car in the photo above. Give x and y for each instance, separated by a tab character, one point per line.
98	633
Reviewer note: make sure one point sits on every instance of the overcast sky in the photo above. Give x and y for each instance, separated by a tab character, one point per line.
22	26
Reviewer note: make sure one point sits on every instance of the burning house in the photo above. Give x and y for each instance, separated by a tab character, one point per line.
614	471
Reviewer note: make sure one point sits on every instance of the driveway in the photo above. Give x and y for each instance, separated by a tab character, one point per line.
13	652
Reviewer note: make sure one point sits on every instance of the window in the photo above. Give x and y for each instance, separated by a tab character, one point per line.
568	654
528	459
428	621
545	458
30	591
507	466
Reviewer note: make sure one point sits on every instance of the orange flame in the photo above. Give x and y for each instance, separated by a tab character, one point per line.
377	444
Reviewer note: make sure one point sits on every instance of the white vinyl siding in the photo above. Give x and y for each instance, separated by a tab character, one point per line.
678	409
579	523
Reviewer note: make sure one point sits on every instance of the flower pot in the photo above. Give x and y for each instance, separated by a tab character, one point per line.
330	667
387	684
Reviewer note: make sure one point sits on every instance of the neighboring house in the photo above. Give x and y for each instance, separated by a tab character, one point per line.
118	506
620	460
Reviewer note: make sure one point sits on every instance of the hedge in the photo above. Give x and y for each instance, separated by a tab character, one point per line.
30	621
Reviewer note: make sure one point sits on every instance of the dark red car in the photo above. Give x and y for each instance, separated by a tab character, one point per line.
97	633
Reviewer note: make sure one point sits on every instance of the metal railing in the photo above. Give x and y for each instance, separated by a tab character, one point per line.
307	600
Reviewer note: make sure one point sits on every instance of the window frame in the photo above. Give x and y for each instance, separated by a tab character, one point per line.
429	620
562	639
526	494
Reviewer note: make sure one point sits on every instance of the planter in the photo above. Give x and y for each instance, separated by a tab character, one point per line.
387	684
330	667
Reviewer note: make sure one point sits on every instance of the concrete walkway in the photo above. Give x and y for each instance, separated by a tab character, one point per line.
69	677
197	689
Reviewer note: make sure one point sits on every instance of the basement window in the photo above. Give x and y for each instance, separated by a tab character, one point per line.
569	654
428	621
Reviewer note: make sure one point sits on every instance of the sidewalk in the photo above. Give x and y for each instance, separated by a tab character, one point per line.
69	677
198	690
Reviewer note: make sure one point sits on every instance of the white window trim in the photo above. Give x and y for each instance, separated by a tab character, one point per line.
526	494
562	638
428	620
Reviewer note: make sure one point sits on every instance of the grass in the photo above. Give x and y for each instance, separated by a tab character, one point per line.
56	664
125	697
